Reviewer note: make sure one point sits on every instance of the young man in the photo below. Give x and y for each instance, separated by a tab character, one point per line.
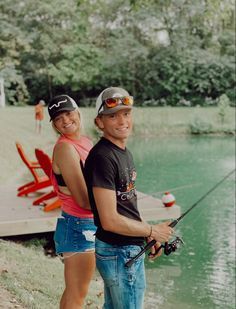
110	176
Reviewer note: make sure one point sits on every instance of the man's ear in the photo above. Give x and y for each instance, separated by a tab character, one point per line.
99	123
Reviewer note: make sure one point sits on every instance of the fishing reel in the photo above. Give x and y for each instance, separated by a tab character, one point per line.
170	247
173	246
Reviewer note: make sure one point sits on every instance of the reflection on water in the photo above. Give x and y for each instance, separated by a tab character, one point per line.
201	274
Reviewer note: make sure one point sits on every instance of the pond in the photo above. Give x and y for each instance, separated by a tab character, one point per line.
201	274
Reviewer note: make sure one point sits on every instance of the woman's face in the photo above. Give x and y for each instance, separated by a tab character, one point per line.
68	122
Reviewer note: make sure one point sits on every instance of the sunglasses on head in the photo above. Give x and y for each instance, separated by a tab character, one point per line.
113	102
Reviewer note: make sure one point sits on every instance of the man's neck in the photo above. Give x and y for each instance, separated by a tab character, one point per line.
118	142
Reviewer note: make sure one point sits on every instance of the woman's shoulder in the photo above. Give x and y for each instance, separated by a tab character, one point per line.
82	146
62	146
86	139
82	140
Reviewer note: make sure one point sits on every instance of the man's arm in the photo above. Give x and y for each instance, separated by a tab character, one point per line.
114	222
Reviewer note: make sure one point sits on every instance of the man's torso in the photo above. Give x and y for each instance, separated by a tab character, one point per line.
111	167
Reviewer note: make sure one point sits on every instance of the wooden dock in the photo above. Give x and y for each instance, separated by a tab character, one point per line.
19	216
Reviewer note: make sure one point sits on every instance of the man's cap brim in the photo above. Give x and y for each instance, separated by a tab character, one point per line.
115	109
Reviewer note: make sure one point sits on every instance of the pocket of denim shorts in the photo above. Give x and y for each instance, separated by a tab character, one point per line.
60	233
83	227
89	230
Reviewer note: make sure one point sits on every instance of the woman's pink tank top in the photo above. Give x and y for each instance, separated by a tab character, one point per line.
69	205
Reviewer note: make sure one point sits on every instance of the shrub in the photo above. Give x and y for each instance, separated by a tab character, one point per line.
223	104
199	126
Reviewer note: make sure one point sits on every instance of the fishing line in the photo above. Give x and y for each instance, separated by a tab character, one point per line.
168	190
168	248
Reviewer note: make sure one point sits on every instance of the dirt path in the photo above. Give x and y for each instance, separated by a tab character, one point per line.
8	301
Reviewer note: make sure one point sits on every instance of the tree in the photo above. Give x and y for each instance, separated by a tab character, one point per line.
161	51
12	43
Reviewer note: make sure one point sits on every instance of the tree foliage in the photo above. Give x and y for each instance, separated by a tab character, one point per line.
164	52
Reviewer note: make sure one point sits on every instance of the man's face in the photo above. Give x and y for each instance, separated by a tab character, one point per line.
117	126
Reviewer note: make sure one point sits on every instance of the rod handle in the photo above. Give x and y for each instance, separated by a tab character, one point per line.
134	259
148	246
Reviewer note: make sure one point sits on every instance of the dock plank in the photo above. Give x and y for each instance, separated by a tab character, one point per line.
19	216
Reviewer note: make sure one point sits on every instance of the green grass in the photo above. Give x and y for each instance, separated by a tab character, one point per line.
154	121
37	280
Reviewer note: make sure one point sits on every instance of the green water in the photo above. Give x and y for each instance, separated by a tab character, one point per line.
201	274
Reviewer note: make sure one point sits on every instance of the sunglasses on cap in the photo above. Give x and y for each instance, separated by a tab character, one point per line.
113	102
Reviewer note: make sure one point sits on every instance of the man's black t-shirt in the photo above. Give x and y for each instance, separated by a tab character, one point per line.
108	166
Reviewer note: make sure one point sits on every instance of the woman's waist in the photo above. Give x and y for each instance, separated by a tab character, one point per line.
67	215
76	210
70	206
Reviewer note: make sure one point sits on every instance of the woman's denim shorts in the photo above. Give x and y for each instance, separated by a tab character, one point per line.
74	234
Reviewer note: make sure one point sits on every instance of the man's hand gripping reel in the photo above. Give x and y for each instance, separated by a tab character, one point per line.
168	247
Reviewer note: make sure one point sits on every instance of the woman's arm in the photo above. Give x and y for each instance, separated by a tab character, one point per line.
67	162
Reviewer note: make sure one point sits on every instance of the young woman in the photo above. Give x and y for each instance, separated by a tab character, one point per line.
74	235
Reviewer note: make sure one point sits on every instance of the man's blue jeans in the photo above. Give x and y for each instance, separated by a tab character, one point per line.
124	287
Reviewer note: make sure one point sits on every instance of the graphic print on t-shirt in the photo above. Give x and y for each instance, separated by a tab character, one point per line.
127	182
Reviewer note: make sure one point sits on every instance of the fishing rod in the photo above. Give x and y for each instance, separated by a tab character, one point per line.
173	246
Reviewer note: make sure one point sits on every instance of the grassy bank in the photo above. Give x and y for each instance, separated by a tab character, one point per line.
17	124
37	280
182	120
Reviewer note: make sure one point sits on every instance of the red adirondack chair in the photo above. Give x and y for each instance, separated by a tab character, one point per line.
39	182
46	164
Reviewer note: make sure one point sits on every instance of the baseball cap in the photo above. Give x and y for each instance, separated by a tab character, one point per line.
108	93
59	104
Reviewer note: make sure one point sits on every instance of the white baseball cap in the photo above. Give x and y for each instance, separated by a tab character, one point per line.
111	92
